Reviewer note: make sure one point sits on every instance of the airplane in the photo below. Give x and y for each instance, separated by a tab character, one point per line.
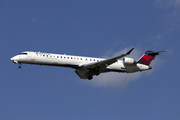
87	67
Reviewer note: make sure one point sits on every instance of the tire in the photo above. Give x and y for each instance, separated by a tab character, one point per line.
90	77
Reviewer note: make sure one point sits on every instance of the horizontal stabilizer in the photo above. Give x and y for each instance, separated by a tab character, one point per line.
156	53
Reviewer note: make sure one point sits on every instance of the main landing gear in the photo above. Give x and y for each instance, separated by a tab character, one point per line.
90	77
97	73
93	72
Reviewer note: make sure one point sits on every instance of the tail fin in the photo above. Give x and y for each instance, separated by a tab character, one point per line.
148	57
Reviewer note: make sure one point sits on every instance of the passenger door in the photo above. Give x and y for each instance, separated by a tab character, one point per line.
32	56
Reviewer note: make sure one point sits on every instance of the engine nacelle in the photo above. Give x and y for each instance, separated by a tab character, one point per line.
128	61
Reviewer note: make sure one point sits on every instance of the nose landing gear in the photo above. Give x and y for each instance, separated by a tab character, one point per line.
20	65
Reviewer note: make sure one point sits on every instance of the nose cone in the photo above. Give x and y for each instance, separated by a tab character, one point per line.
14	59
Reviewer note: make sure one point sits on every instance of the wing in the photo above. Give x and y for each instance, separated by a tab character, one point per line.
97	67
105	63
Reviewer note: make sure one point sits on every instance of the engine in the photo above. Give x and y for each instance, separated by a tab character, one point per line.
128	61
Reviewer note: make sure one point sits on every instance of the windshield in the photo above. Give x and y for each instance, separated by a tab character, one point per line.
22	53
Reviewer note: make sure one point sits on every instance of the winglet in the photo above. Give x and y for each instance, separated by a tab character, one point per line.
129	51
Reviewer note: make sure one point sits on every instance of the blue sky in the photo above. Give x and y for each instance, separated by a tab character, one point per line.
97	28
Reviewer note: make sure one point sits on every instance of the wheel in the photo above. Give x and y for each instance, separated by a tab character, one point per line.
97	73
20	65
90	77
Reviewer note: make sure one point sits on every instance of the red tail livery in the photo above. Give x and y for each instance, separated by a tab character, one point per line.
148	57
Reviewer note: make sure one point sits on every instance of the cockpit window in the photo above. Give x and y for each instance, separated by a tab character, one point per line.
22	53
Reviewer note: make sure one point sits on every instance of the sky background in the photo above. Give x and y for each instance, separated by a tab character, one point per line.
95	28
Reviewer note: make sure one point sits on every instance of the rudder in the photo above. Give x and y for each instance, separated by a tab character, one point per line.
147	58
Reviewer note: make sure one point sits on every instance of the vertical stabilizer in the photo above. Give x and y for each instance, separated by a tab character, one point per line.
147	58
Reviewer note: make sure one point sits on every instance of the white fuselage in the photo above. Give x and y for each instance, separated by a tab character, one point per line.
76	62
